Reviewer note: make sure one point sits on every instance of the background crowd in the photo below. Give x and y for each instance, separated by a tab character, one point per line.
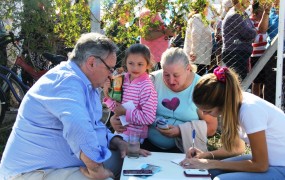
189	90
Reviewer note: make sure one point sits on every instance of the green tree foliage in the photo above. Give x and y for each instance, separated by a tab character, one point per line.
71	20
47	24
125	10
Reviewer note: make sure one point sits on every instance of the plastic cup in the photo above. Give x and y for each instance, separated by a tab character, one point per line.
134	144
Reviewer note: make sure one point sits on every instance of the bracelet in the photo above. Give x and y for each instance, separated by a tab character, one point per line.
212	155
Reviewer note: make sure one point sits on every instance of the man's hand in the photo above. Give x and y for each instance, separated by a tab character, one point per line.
94	170
117	125
120	144
172	132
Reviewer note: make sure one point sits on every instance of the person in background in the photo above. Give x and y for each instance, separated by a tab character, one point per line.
156	38
198	37
138	88
238	33
269	24
259	47
245	118
174	84
58	133
226	5
178	40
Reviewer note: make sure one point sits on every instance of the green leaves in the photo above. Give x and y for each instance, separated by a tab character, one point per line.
48	24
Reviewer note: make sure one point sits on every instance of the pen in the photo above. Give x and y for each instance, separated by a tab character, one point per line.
193	141
193	138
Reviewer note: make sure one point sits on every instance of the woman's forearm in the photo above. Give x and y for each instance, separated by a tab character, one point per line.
243	166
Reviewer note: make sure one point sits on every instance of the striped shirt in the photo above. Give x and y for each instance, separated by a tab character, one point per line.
260	41
141	91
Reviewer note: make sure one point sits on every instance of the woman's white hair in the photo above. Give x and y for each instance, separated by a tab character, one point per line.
175	55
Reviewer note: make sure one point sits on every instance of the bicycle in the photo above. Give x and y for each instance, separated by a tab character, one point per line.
15	88
12	85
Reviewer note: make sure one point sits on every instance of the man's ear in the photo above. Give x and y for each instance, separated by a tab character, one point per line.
90	63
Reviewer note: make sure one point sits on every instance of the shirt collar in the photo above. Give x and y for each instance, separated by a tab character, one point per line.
141	78
79	72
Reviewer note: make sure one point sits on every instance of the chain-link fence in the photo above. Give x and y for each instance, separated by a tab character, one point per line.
212	34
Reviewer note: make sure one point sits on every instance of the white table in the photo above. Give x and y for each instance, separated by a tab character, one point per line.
169	170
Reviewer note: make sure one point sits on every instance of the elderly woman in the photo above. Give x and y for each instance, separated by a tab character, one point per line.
198	36
174	84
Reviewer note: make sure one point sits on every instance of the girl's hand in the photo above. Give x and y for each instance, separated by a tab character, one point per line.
117	125
144	152
195	163
119	109
106	87
172	132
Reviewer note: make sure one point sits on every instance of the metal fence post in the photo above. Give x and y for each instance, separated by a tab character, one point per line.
95	15
279	74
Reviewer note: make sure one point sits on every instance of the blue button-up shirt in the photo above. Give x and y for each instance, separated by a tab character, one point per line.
58	117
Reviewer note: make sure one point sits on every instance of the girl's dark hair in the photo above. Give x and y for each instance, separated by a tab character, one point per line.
138	49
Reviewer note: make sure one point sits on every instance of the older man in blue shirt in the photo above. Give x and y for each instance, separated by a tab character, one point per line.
58	132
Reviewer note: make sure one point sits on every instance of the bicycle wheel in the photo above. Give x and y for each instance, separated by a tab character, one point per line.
13	103
3	106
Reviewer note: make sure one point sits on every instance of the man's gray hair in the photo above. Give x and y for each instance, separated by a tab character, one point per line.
92	44
175	55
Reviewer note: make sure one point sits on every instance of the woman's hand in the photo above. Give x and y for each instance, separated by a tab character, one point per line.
195	163
193	152
172	132
106	87
119	109
117	125
266	7
192	57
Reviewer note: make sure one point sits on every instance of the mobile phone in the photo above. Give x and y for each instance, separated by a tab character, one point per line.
137	172
162	126
196	172
161	123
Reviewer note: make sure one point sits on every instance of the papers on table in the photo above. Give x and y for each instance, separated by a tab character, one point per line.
177	161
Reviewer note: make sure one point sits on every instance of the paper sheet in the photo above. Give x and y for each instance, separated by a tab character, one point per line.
177	161
129	106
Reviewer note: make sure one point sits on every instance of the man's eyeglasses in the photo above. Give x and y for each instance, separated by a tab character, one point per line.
108	67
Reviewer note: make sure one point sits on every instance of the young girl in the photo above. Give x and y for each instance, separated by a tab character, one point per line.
138	88
244	117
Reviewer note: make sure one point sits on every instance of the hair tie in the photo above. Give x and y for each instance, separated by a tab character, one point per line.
220	73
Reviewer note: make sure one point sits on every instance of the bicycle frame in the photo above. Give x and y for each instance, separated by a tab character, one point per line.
35	74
